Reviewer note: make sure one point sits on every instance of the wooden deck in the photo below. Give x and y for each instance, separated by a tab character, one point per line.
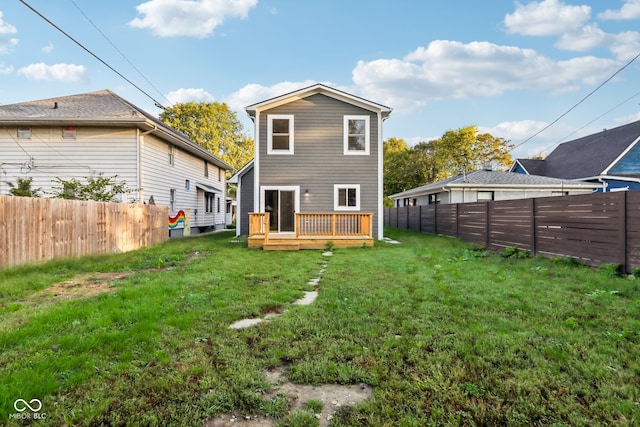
313	231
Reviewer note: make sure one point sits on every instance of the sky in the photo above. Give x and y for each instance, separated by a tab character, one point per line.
510	68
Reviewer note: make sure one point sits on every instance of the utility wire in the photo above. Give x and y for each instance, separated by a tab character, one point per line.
575	105
119	51
157	104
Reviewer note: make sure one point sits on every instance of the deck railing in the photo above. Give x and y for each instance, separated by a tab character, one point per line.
334	224
259	225
331	224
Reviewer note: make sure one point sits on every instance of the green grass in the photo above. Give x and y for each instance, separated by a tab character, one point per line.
446	335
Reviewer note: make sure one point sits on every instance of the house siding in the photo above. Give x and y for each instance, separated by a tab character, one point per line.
246	200
95	150
319	161
159	177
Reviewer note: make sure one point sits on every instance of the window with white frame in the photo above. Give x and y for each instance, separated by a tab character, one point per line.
24	132
346	197
280	134
356	134
171	155
484	196
172	200
208	202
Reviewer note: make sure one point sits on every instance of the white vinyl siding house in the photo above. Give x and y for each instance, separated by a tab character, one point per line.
111	137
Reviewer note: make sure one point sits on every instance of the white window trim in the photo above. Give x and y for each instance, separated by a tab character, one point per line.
336	198
367	136
270	149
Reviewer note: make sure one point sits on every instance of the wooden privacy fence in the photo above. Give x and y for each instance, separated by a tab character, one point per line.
40	229
600	228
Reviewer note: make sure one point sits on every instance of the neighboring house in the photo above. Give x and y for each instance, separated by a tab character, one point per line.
101	133
484	185
317	150
610	157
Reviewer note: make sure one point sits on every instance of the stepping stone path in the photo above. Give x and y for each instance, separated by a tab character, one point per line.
309	297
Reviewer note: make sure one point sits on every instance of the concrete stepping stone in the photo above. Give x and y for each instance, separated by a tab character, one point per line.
308	298
245	323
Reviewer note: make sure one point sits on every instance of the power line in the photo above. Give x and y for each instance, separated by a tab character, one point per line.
577	104
119	51
157	104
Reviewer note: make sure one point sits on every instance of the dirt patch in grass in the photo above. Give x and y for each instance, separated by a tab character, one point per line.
91	284
332	396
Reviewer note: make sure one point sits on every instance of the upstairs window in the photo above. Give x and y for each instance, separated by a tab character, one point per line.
24	132
171	155
206	169
356	135
279	134
346	197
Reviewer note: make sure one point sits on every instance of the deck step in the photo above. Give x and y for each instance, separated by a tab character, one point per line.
281	246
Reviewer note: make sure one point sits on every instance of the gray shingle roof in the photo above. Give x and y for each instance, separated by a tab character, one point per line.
589	156
493	178
97	108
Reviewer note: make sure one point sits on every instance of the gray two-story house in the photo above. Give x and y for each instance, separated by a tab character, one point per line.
317	172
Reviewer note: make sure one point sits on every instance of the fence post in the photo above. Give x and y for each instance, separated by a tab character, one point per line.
435	219
487	217
534	238
622	232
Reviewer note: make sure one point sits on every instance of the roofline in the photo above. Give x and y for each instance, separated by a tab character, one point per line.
242	171
312	90
624	153
145	122
437	189
521	165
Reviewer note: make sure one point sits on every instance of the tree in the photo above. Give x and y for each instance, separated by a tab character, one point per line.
456	152
463	150
99	189
213	126
22	188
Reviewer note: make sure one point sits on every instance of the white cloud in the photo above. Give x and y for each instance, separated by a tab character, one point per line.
584	39
453	70
69	73
48	48
170	18
625	45
5	69
252	93
546	17
6	28
189	95
630	10
5	46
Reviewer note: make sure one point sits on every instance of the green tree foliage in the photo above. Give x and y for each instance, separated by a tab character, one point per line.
99	188
457	151
213	126
464	150
23	188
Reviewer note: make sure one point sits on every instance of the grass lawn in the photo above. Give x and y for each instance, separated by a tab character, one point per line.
445	334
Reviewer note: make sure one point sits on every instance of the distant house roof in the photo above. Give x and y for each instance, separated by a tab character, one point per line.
494	179
101	108
586	157
315	89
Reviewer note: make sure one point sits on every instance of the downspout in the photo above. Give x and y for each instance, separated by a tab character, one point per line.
604	185
448	191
